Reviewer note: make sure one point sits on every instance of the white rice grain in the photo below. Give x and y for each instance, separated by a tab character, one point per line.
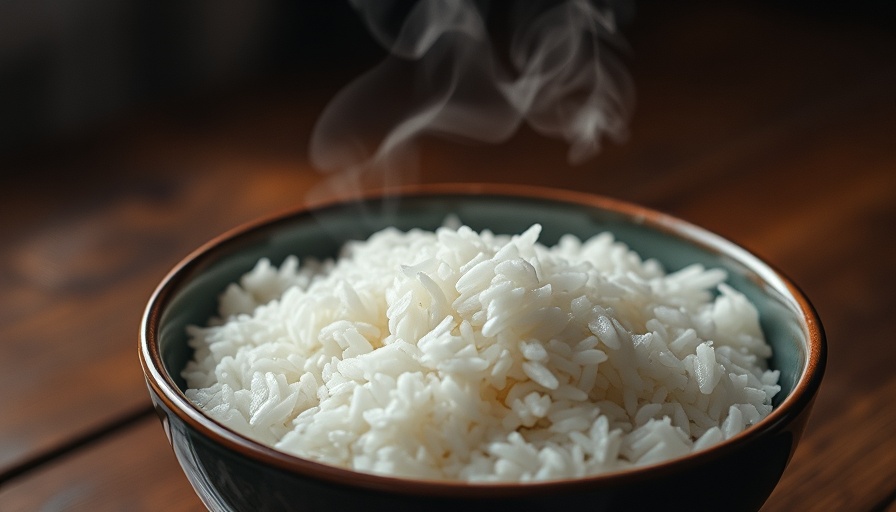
482	357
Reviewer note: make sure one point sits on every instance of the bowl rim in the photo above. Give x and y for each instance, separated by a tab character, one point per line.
164	389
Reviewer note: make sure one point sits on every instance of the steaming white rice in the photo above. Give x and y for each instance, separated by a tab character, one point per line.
481	357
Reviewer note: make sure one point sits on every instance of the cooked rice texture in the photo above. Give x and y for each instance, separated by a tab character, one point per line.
480	357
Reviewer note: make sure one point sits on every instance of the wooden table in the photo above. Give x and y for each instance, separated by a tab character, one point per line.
771	125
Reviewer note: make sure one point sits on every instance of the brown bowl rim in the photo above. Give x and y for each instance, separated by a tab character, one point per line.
164	388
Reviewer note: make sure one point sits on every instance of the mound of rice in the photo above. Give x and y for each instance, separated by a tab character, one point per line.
483	357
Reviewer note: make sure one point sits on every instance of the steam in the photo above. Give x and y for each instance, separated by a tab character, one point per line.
548	64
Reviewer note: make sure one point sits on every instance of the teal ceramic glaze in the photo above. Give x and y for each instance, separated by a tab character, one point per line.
231	473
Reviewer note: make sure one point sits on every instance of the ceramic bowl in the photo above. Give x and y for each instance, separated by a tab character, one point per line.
232	473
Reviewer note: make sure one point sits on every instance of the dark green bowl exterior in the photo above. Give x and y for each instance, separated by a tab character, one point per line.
231	473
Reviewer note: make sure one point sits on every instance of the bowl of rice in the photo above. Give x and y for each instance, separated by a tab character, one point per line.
480	347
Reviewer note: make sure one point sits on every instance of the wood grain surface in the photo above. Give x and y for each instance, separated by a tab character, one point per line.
771	124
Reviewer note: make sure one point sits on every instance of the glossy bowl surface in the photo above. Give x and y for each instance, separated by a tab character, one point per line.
232	473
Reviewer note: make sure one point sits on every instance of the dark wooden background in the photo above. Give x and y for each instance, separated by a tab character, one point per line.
773	124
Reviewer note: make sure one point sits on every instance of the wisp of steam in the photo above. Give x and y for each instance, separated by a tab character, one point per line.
548	63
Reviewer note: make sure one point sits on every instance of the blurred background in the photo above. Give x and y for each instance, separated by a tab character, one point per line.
132	131
68	66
